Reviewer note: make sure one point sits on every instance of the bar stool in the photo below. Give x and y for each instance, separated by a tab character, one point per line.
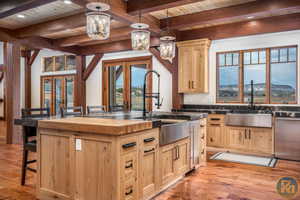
29	138
71	111
95	109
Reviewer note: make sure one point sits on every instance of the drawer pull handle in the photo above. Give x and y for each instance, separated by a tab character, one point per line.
128	193
214	124
215	119
202	126
129	166
149	139
132	144
202	137
147	151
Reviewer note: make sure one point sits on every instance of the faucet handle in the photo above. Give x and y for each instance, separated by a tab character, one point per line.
159	104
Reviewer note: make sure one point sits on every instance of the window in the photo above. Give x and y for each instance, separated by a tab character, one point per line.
57	91
123	82
273	72
59	63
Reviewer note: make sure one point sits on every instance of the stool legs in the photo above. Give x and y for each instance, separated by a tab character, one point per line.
24	166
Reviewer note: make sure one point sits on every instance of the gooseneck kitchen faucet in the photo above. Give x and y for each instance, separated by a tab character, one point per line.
151	95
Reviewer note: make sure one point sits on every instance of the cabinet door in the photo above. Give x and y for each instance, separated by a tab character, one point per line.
215	135
94	170
199	70
167	168
182	160
261	140
149	164
185	69
55	177
237	138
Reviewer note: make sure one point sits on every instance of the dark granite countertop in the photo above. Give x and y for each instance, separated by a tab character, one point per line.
155	117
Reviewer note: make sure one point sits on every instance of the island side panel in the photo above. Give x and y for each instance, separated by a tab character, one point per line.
68	173
55	169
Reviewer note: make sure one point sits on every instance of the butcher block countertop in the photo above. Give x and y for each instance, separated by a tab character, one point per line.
115	127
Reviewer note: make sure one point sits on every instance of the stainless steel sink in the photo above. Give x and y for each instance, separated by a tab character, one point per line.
249	120
173	131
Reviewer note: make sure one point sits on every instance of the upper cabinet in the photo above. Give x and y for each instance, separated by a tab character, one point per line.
193	66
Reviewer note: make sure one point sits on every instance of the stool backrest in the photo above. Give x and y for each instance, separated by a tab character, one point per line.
95	109
75	111
35	112
116	108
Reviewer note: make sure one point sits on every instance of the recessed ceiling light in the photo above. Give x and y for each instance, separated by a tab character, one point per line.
21	16
250	17
67	1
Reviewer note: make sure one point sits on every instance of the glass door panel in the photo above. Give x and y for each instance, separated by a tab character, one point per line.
58	94
47	94
116	87
69	92
137	73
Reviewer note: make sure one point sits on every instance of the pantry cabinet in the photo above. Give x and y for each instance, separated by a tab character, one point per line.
193	66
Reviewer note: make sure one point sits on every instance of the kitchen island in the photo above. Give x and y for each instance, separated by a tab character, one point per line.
88	158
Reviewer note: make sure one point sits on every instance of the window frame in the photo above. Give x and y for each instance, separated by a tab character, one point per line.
268	73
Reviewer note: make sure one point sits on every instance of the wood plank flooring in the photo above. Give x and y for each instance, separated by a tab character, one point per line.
216	181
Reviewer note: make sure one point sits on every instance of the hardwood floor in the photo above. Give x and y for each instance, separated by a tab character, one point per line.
218	180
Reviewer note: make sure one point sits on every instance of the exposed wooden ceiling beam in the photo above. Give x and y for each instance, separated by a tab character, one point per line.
70	41
259	9
110	40
146	6
25	6
260	26
118	46
44	28
117	11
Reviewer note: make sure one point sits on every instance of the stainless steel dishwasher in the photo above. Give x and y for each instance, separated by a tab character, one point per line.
287	138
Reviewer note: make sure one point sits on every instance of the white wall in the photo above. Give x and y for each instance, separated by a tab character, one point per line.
37	72
94	82
241	43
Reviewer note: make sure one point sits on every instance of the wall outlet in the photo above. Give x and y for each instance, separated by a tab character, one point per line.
78	146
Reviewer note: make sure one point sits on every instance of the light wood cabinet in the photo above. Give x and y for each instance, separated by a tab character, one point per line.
174	161
149	164
182	159
236	138
193	66
261	140
215	136
252	140
203	142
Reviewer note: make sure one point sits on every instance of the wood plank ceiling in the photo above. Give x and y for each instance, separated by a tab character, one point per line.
56	25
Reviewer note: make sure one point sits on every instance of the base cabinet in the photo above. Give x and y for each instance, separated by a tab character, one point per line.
174	161
252	140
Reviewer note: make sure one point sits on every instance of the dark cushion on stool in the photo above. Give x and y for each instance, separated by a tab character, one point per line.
30	146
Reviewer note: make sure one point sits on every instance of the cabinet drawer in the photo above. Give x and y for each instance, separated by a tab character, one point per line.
129	166
129	190
128	144
150	138
216	119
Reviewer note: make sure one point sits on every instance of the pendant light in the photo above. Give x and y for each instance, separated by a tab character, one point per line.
98	22
140	37
167	43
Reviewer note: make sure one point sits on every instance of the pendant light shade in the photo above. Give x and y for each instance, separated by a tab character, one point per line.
167	49
167	44
140	38
97	22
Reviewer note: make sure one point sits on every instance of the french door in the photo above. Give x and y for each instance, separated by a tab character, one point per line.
123	82
57	91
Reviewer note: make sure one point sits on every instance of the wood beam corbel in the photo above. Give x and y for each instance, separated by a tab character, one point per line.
169	66
90	68
177	98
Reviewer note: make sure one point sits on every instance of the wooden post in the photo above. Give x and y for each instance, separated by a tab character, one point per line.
12	91
80	91
177	98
